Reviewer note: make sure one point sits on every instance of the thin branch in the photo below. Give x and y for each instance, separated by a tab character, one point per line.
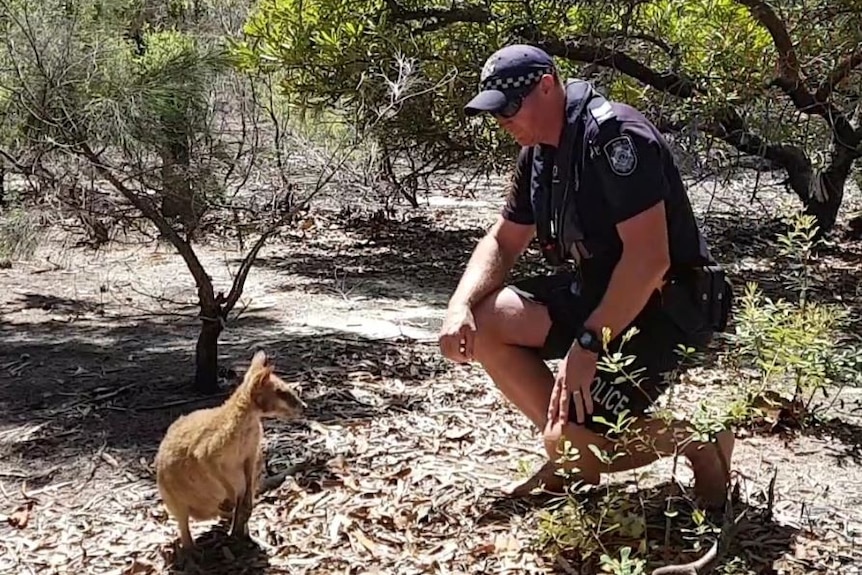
205	288
729	126
838	74
790	79
671	51
36	169
788	63
441	17
576	50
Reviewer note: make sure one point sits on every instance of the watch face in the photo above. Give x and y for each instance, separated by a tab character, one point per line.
587	341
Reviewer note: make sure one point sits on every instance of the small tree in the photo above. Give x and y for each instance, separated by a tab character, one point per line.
168	130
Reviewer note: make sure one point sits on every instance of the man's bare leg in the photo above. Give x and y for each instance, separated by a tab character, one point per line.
645	442
507	327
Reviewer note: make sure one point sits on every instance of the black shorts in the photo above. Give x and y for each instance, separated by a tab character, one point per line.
654	346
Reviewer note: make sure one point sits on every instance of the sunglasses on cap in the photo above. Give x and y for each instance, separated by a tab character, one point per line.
513	105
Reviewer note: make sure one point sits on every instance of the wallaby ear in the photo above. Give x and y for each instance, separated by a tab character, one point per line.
265	372
259	360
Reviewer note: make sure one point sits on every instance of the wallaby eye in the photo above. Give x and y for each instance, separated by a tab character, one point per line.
287	397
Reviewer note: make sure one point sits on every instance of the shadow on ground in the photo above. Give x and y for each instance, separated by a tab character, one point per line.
672	535
74	389
748	246
380	258
843	438
219	554
418	257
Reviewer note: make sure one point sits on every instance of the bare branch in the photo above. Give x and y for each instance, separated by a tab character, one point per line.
35	169
841	71
441	18
729	126
788	63
790	79
671	51
205	288
576	50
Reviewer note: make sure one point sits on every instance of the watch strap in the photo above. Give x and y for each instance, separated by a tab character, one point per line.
591	343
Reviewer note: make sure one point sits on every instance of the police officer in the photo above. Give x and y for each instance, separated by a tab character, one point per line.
596	183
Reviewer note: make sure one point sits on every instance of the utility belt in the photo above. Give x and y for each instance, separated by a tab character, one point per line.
699	299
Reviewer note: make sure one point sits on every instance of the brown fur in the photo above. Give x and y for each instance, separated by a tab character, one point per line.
209	461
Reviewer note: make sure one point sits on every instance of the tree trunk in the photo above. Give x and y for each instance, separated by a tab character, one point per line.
822	193
206	355
178	199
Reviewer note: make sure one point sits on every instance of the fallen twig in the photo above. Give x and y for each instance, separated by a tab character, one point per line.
274	481
177	403
718	548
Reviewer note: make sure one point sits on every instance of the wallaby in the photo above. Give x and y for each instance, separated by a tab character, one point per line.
209	461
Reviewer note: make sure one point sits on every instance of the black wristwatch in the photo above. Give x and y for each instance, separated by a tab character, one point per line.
589	340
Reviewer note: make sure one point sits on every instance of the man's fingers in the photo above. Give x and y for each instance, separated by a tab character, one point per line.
563	404
588	400
450	347
554	403
579	406
468	337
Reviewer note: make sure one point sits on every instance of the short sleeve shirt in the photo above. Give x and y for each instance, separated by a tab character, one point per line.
518	207
628	169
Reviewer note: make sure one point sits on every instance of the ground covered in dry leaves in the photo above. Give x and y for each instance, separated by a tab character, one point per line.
398	464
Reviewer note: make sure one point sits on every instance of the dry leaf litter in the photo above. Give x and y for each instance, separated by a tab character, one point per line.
397	469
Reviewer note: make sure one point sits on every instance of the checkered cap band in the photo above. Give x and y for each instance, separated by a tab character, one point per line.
512	82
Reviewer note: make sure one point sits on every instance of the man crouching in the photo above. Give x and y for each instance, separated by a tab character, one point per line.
596	183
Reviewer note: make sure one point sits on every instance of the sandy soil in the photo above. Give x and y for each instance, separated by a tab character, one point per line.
401	453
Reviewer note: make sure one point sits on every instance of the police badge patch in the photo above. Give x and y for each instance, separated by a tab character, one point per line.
621	155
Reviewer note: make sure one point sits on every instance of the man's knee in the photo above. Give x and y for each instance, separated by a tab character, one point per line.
580	456
485	311
487	340
504	318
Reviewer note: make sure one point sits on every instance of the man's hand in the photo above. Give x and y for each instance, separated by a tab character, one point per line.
574	376
457	334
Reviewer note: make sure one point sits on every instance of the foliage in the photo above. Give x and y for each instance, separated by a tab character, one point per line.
92	87
172	80
330	47
793	346
19	235
334	52
85	102
145	102
735	70
625	565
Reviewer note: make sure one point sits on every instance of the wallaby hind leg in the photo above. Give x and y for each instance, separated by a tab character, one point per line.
225	508
242	512
185	532
230	494
239	527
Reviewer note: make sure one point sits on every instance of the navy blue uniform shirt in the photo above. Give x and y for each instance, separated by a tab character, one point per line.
629	169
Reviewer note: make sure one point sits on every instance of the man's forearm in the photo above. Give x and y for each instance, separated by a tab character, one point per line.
632	283
485	272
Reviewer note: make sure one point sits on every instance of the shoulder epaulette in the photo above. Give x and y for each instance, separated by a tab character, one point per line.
601	110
